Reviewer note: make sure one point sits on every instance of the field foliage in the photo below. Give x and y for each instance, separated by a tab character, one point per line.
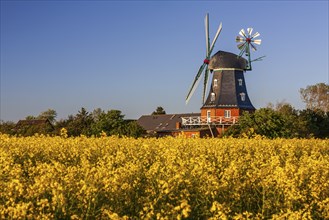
171	178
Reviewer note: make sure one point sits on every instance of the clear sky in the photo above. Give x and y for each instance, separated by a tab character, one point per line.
136	55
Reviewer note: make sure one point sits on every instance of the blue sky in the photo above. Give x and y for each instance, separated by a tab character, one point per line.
136	55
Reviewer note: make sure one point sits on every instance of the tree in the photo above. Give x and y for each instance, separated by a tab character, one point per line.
316	96
50	114
313	123
80	123
64	123
265	121
159	111
282	121
96	114
111	122
30	117
133	129
7	127
290	117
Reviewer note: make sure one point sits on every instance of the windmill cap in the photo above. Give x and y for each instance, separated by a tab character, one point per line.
223	59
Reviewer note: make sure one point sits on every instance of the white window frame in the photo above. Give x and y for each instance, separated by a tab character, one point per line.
240	82
243	96
212	97
227	113
215	83
208	116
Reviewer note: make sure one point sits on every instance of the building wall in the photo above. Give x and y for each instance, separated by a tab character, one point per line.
220	112
235	112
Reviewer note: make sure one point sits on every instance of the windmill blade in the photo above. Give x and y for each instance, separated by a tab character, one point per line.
243	49
242	45
257	41
242	33
205	84
249	30
195	83
240	39
253	47
255	35
215	38
206	24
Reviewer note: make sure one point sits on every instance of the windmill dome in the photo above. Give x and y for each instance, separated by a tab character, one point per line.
223	59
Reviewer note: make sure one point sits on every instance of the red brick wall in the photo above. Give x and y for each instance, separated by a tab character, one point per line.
234	112
220	112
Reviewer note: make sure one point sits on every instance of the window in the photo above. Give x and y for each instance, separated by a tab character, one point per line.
243	96
240	82
208	116
212	97
215	83
227	113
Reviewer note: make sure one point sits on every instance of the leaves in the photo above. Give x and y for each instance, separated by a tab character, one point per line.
316	97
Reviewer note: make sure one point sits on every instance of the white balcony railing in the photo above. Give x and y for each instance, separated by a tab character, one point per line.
217	120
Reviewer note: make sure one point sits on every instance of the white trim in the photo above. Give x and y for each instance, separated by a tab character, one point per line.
203	120
220	69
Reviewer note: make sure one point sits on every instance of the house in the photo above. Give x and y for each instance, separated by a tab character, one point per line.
32	126
171	125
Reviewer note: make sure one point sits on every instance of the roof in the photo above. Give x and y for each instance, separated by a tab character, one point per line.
223	59
166	122
33	122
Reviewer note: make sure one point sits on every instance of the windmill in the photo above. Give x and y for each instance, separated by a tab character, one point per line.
204	66
247	41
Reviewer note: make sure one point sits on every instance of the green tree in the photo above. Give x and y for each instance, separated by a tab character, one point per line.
159	111
30	117
265	121
50	114
284	121
316	96
290	117
64	123
7	127
111	122
133	129
314	123
80	123
96	114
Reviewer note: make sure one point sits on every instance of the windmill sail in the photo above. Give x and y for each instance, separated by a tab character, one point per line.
246	42
195	83
206	24
209	49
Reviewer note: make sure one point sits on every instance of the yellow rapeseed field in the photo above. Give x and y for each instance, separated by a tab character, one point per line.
171	178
